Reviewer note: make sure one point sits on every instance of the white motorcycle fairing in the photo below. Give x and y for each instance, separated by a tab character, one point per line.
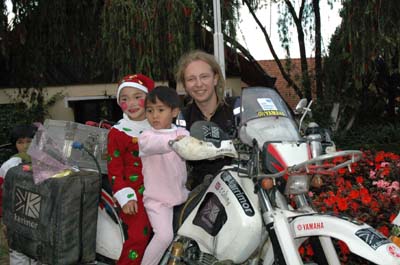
226	223
280	129
361	238
274	161
110	235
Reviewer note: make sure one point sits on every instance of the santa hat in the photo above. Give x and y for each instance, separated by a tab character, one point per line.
139	81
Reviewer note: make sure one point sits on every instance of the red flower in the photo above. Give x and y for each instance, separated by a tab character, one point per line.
348	185
364	191
342	204
330	201
354	194
340	181
385	172
187	11
309	250
366	199
338	159
301	251
392	216
342	171
360	180
379	157
384	230
354	206
393	156
374	205
343	247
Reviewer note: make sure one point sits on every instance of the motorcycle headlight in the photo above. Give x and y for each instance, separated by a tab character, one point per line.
297	184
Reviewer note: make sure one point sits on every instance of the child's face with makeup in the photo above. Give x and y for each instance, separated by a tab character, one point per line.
131	101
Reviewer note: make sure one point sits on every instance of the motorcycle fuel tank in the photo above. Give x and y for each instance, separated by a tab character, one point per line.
227	222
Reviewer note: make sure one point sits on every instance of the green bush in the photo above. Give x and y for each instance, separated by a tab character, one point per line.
28	105
382	137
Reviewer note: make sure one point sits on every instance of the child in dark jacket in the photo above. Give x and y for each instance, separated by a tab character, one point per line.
21	137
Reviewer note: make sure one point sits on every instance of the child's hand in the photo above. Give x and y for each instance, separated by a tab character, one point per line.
179	137
130	207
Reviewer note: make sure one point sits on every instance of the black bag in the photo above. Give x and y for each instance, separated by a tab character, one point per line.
55	221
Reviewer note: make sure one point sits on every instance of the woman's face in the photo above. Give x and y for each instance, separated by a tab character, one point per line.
200	82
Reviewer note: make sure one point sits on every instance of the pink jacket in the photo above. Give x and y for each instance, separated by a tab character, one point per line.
164	171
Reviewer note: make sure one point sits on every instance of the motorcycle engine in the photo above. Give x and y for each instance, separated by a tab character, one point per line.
192	255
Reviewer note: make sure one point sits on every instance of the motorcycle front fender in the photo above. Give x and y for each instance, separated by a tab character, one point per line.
361	238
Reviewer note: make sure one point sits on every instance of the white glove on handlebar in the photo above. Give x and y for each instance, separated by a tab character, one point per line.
190	148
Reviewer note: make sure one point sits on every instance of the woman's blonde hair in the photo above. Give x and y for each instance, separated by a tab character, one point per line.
198	55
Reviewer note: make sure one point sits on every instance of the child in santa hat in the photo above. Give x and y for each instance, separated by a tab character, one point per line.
125	165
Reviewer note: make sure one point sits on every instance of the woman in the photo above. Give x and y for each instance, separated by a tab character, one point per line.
201	76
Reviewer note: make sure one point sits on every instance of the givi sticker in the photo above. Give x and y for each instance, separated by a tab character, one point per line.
393	250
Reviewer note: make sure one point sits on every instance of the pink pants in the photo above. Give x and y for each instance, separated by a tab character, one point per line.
160	217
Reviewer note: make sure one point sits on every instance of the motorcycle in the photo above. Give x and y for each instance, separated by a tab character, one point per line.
239	218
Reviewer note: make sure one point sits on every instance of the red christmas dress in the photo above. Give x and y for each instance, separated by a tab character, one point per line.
125	176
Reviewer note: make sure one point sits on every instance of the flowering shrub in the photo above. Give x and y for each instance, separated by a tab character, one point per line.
369	193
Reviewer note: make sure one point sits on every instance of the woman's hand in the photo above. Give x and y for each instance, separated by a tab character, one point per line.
130	207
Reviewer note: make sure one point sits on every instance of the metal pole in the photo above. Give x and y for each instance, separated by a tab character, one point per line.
218	37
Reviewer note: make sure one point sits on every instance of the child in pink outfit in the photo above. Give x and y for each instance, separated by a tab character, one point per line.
164	171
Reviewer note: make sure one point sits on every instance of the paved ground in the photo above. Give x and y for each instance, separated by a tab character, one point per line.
3	246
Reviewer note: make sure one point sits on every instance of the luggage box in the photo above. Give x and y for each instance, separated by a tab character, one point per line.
55	221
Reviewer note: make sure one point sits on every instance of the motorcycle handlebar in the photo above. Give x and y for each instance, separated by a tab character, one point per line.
309	166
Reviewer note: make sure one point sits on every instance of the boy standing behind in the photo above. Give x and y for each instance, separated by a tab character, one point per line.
125	166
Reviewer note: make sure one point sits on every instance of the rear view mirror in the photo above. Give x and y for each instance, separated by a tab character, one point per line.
300	106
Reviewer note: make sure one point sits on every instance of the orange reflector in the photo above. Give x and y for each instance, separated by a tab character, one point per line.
267	183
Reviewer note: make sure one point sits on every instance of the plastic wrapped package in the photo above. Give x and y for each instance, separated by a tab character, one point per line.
52	152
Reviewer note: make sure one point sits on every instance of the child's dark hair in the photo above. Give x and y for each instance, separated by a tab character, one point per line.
165	94
22	131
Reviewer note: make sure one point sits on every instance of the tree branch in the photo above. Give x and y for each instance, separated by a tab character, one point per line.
318	60
274	55
300	37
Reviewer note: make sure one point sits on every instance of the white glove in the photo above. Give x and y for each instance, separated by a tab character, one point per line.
190	148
